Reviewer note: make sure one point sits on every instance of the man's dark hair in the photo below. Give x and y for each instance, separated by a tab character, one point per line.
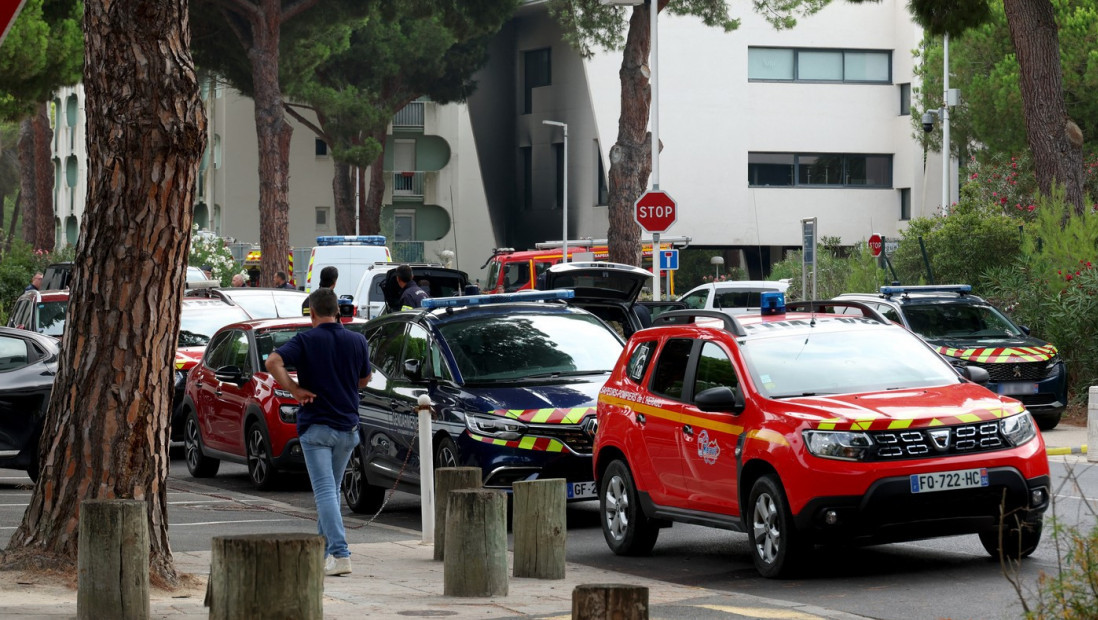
281	275
328	276
323	302
404	273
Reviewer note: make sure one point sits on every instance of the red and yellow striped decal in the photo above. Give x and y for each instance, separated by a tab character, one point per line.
698	423
889	424
547	416
999	355
543	444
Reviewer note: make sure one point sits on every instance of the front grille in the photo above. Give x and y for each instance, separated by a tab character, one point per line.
940	441
1025	371
574	436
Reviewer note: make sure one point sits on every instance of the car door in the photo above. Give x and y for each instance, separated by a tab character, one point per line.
379	439
406	390
233	396
25	386
708	451
660	420
206	388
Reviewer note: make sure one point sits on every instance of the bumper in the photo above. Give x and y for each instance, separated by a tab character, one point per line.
890	512
291	458
502	465
1049	395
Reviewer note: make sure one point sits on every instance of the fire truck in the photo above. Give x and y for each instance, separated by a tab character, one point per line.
511	270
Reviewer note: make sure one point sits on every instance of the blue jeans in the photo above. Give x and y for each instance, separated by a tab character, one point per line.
327	452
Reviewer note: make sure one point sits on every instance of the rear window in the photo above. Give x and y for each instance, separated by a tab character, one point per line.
51	317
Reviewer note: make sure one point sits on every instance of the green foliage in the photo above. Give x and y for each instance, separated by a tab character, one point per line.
695	268
1070	590
17	265
838	270
43	51
209	250
1057	241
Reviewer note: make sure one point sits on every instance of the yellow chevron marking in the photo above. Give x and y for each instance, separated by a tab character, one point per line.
936	422
555	446
898	424
828	425
514	413
527	443
969	417
541	416
861	425
576	415
762	612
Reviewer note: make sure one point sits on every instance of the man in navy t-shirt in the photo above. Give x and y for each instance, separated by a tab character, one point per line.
332	363
411	295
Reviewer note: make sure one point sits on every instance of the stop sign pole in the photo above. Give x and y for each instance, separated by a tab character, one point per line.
655	211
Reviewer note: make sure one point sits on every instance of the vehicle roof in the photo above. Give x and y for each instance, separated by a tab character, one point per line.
776	285
262	324
750	326
251	291
919	297
441	316
51	295
24	333
199	302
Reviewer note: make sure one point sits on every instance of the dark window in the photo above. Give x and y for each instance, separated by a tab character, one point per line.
905	99
905	204
819	65
669	376
638	362
536	65
321	148
714	369
558	155
13	353
527	177
770	169
818	170
869	170
603	197
385	346
219	351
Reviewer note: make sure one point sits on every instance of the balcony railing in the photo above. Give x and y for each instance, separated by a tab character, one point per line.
407	184
410	116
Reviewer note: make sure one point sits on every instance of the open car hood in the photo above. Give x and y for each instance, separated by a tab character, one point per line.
599	281
443	282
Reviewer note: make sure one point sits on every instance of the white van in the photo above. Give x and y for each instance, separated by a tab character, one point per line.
378	292
350	254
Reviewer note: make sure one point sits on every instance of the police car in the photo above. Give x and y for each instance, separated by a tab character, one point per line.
969	331
512	379
810	427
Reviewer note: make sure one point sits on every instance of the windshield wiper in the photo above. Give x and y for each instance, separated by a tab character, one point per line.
566	373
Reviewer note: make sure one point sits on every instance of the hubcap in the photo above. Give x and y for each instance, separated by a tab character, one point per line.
190	444
766	530
257	456
617	508
446	457
352	476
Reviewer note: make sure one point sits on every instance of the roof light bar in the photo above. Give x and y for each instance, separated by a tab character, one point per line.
504	298
927	288
350	240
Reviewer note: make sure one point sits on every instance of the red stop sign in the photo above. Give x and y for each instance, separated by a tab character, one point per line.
875	244
655	211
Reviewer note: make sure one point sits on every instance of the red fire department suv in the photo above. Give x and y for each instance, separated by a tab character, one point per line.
810	427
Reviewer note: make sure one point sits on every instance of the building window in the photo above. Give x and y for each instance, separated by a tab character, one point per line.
905	99
905	204
536	72
818	170
558	156
816	65
321	148
217	150
527	177
322	218
603	197
404	225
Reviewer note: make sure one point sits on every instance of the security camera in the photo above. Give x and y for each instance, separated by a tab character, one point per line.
928	122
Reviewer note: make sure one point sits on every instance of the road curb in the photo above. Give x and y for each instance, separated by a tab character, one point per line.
1065	451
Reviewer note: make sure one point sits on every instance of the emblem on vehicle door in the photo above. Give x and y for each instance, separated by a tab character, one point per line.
940	439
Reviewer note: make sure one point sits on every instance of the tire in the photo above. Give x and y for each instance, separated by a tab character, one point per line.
200	465
361	496
446	453
1047	421
1020	538
628	531
775	545
32	467
261	469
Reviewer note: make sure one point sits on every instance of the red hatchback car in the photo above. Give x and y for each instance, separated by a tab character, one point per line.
233	408
806	428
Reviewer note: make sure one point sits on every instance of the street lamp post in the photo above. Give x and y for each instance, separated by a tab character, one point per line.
716	261
564	237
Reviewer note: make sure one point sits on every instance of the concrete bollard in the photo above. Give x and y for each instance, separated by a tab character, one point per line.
541	527
1092	424
113	559
606	601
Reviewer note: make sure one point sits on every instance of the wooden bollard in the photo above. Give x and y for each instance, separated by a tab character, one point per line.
266	576
602	601
476	544
113	559
540	526
450	479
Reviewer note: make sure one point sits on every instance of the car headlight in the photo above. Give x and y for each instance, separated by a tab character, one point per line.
1053	367
283	393
1018	429
288	413
842	445
494	426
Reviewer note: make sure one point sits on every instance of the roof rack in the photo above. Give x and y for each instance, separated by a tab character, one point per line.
814	306
686	317
501	298
960	289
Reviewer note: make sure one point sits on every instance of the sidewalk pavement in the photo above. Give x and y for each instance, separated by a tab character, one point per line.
1065	440
402	580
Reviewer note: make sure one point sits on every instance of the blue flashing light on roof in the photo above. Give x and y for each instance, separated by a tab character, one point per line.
927	288
351	240
772	302
484	300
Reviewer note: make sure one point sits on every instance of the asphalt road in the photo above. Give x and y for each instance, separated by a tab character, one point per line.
942	578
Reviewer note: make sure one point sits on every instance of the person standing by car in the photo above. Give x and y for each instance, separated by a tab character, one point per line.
281	281
412	295
328	277
35	283
332	364
238	280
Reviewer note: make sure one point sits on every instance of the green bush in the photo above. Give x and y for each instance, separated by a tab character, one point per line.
212	251
839	270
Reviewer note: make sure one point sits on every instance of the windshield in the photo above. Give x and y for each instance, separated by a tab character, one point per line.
843	362
959	321
51	317
522	345
197	325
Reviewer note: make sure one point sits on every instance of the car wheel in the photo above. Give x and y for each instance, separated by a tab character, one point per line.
446	453
362	497
624	525
200	465
1019	538
260	468
776	548
1047	421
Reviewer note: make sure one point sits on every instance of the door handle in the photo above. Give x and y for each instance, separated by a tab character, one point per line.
218	391
688	430
641	419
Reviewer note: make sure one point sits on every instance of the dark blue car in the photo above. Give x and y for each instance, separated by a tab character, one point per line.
512	385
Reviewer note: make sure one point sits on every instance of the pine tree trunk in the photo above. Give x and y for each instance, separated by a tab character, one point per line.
1056	141
371	209
28	194
630	157
43	179
106	428
343	182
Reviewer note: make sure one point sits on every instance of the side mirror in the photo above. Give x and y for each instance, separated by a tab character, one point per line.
1025	329
976	374
413	370
231	374
721	398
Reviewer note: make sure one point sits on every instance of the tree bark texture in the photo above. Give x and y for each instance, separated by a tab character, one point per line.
1056	141
43	180
598	601
371	208
266	576
106	429
28	189
114	560
631	155
343	187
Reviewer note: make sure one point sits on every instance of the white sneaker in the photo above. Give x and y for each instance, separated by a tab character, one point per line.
337	566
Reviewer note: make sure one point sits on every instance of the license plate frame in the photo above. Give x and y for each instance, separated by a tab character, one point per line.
583	490
933	482
1015	388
